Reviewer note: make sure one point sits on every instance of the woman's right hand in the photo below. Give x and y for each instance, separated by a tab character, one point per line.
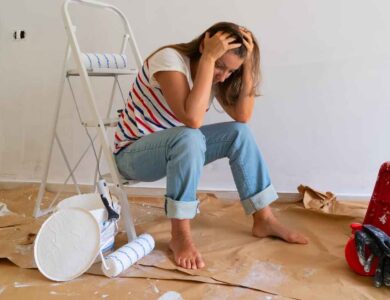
218	44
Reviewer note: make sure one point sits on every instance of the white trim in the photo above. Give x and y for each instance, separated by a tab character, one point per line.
157	192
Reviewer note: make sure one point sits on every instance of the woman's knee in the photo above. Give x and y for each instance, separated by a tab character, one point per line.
190	139
241	129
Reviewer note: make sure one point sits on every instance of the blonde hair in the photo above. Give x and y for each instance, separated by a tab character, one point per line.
229	90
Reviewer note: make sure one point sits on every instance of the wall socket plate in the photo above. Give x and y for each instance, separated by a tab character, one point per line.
19	34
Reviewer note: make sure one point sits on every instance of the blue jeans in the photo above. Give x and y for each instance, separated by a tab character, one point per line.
180	153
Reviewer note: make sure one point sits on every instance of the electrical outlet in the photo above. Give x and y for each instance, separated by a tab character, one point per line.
19	34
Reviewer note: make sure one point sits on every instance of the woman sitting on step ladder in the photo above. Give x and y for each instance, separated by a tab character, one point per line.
161	131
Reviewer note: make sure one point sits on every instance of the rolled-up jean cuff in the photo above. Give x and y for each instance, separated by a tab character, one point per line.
260	200
181	209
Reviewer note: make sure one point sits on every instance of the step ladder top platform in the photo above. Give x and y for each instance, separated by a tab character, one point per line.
103	72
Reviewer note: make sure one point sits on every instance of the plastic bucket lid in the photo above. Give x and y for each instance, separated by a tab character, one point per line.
67	244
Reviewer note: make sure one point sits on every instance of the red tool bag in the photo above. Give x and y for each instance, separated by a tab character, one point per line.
378	215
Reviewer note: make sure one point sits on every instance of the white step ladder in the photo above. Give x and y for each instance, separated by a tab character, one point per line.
97	122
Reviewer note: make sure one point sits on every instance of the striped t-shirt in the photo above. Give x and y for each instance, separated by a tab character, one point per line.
146	109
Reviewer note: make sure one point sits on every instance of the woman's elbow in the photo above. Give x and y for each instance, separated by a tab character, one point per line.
242	118
193	123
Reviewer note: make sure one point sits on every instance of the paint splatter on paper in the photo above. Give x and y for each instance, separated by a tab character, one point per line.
307	272
24	249
2	289
4	211
171	295
64	294
21	285
154	288
264	273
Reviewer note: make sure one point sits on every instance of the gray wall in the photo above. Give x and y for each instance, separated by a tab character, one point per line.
323	119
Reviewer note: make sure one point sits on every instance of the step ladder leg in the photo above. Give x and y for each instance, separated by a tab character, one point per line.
126	215
108	113
42	188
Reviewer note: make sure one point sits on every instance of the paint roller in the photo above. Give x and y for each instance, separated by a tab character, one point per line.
120	260
127	255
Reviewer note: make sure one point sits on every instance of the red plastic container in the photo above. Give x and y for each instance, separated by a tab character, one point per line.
378	215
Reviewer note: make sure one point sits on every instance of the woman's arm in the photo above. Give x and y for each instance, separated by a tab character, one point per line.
243	108
190	106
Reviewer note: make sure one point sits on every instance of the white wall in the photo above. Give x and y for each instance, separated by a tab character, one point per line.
323	119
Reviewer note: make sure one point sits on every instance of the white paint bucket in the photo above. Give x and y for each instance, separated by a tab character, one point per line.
94	205
70	240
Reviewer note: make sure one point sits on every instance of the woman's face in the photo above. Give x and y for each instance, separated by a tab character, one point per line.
225	66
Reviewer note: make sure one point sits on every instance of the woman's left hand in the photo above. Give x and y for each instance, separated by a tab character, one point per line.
248	43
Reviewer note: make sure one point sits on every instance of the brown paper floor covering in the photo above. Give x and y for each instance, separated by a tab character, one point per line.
238	265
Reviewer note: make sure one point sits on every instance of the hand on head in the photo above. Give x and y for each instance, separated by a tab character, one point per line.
221	42
248	42
218	44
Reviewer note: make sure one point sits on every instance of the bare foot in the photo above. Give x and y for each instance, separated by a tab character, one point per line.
265	224
184	251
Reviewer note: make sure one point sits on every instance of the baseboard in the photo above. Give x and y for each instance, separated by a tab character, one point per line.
87	188
157	192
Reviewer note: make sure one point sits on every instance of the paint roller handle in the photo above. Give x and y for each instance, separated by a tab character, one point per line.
105	195
112	214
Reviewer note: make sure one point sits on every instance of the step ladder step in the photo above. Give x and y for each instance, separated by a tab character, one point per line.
104	72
